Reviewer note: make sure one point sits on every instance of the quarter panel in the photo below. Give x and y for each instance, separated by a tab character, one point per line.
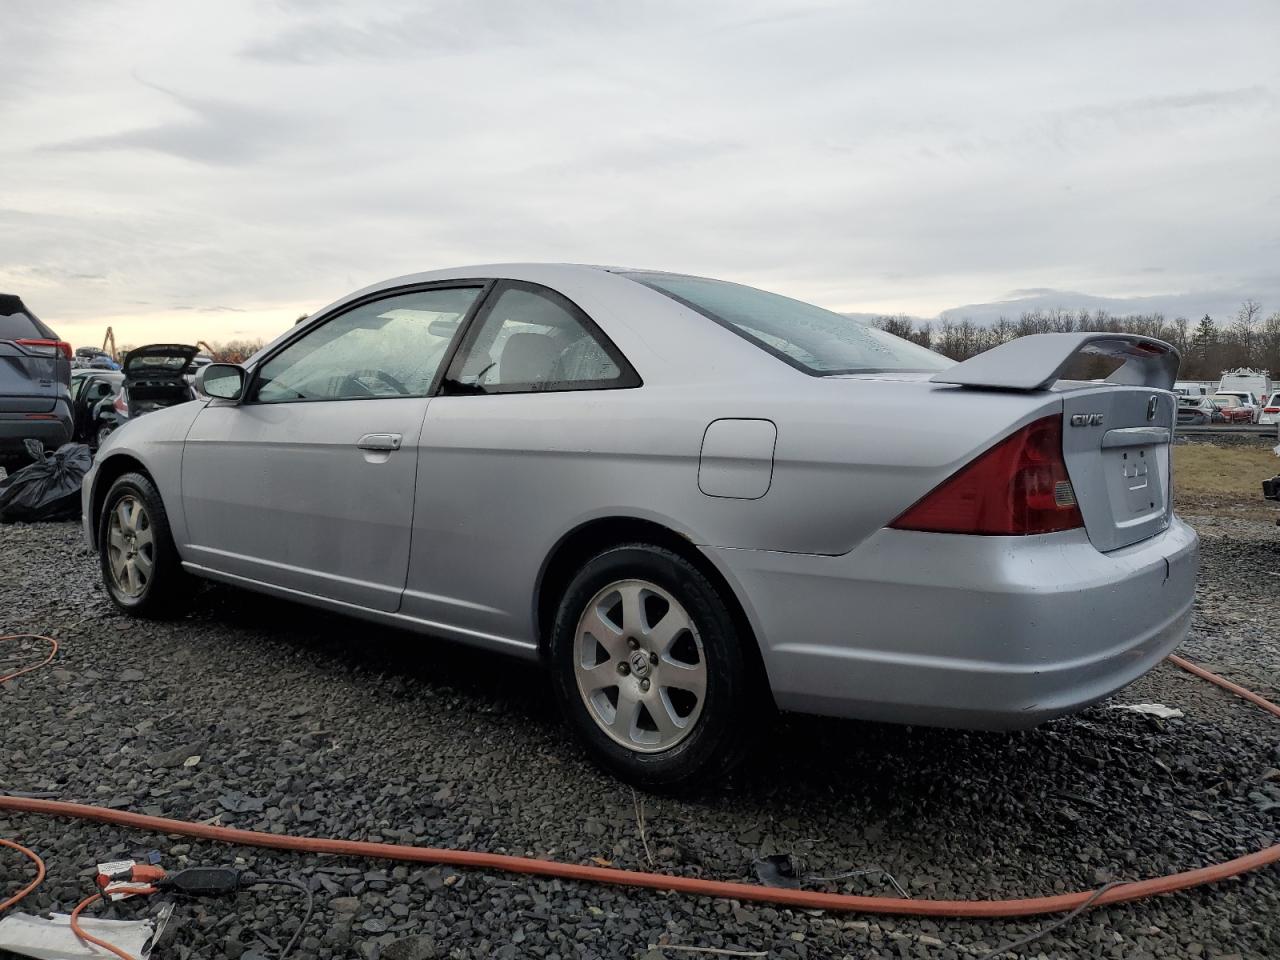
503	478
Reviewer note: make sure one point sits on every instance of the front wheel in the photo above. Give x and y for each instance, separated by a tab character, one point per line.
140	565
650	669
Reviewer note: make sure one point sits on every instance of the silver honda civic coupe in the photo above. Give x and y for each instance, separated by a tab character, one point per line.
692	500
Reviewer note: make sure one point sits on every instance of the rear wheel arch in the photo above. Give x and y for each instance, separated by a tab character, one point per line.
589	539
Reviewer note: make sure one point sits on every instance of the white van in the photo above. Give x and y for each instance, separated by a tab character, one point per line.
1246	380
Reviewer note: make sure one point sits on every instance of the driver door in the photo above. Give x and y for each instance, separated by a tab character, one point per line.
307	484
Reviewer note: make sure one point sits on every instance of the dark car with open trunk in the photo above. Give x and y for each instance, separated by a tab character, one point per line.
154	377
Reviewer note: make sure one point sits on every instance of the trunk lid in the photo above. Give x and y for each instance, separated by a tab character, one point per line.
1115	441
1116	430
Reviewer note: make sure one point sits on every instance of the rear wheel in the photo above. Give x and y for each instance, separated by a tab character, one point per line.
140	565
650	669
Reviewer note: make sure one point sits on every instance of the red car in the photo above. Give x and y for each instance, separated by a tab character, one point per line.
1231	409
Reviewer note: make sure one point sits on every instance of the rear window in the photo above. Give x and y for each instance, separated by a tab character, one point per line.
16	322
817	341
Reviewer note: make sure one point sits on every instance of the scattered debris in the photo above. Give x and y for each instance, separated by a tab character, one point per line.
779	870
717	951
53	939
238	803
1150	710
639	806
784	870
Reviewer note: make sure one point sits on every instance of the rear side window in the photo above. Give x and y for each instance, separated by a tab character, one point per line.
529	339
817	341
16	323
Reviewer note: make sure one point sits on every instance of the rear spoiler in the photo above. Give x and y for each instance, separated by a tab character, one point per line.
1036	362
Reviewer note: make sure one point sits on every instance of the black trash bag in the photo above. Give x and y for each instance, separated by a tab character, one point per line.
48	489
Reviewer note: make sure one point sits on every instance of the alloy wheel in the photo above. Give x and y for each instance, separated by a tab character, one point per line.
131	549
640	665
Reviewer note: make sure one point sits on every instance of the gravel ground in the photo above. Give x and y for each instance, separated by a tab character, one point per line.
310	723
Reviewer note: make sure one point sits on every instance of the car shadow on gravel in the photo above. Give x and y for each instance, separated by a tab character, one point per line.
347	645
1098	767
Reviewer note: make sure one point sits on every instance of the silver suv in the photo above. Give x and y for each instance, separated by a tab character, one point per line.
35	378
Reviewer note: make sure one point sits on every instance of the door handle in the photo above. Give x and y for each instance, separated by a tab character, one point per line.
379	441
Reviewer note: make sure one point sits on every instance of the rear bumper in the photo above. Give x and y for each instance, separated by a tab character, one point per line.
976	632
15	428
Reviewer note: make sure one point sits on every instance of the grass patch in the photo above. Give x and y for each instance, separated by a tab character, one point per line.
1210	477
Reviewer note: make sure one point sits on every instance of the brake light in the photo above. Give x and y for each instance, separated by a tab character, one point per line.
1271	409
1018	487
61	345
121	404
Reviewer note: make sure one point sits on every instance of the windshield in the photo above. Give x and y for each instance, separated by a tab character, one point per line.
817	341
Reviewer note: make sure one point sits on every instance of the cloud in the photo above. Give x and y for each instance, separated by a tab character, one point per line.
253	160
442	28
213	131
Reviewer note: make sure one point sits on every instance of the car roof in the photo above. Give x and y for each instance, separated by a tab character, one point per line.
663	339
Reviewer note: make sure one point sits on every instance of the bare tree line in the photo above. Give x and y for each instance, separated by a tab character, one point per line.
1207	348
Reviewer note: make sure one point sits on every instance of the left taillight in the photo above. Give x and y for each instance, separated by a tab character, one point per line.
1018	487
121	404
59	345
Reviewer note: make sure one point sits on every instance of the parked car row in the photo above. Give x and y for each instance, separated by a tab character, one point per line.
93	358
52	394
1219	408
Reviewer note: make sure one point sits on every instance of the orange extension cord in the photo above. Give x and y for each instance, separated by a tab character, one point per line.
34	858
89	937
53	649
1122	893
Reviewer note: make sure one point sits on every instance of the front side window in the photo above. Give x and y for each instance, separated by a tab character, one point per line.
531	339
817	341
390	347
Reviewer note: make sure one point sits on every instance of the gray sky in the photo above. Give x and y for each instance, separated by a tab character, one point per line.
186	170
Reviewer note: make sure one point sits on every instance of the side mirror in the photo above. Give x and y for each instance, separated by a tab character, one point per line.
220	381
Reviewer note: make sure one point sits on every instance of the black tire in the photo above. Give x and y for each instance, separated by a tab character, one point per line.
103	431
167	588
732	707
